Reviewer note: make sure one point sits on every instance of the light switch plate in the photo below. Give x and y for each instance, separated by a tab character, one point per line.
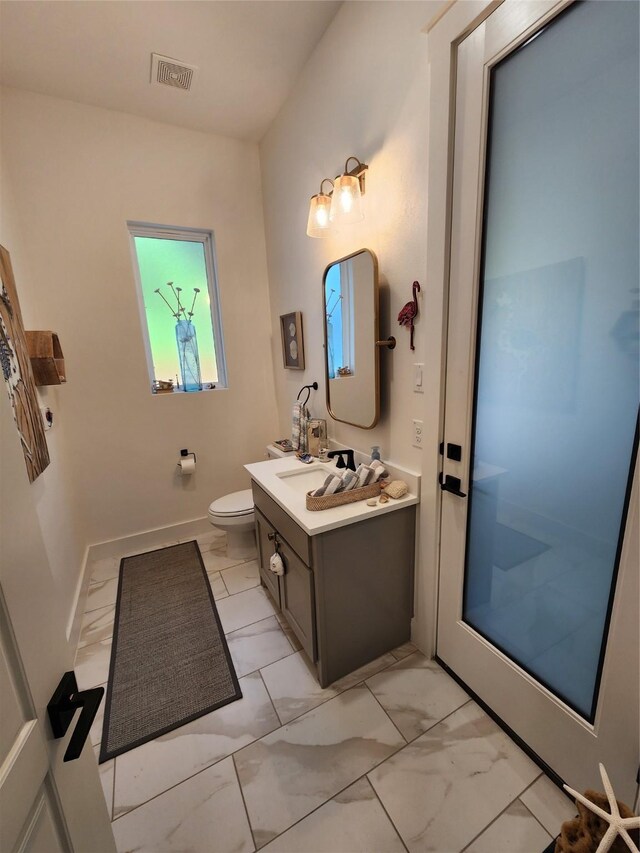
418	378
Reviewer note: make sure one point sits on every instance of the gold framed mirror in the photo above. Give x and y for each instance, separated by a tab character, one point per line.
352	371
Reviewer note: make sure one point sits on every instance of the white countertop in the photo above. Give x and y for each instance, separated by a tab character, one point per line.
292	500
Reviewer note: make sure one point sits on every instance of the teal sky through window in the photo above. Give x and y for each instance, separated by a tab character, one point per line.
182	262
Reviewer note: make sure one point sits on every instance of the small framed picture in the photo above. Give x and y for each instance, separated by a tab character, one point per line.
292	340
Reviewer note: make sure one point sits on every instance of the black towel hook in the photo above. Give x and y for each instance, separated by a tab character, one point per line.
307	388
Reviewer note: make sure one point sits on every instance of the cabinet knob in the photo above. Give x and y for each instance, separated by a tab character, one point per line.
271	536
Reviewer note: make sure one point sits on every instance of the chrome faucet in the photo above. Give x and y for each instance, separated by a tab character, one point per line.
350	464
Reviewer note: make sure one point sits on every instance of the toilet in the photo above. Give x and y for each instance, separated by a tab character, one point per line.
234	514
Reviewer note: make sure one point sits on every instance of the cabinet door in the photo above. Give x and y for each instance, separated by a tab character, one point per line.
266	548
298	600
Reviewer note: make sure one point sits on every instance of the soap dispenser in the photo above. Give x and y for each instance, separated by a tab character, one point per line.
375	453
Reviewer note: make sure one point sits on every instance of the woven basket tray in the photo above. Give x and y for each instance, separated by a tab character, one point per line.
329	501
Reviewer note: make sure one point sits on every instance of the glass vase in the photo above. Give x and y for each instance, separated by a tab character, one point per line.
188	357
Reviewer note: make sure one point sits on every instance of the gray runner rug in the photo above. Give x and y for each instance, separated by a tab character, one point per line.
170	662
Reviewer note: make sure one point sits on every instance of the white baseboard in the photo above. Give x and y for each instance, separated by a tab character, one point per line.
146	539
75	619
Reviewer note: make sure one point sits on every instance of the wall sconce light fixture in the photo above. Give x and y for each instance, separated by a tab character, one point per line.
319	212
341	205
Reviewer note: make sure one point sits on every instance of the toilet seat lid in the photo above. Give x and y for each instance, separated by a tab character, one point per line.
237	503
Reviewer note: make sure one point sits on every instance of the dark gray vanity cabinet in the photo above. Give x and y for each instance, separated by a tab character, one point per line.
293	592
347	593
265	536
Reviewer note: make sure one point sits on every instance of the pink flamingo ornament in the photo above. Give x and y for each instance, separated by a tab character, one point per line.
410	311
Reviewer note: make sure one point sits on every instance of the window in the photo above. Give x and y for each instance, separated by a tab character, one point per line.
339	302
179	307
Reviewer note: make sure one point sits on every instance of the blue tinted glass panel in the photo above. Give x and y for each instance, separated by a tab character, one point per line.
557	370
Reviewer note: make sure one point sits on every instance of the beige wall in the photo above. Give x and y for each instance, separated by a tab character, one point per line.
364	92
78	173
54	494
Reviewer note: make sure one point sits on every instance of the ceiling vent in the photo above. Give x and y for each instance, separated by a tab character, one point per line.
171	72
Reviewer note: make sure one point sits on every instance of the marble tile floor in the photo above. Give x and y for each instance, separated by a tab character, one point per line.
394	757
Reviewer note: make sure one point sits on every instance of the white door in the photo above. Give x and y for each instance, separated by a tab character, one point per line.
46	805
538	602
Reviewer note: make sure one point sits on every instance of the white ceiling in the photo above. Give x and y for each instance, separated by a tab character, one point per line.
248	52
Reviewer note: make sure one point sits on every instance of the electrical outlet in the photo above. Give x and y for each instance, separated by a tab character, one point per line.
417	433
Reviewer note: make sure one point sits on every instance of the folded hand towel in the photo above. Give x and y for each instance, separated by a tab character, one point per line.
363	473
368	474
331	485
349	480
379	471
300	421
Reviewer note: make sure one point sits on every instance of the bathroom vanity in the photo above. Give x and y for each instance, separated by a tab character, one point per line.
347	588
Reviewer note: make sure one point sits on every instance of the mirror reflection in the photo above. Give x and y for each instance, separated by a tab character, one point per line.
350	292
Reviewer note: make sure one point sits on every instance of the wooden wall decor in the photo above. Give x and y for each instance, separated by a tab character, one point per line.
18	376
47	360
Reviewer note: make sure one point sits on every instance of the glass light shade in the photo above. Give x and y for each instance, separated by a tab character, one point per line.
318	222
346	203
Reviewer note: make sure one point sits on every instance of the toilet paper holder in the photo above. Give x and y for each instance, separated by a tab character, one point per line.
184	456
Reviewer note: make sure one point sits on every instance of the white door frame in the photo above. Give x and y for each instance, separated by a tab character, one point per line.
444	32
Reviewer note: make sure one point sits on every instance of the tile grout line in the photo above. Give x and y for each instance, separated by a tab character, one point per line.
177	784
532	813
357	684
324	803
259	668
384	710
345	690
113	791
244	802
499	815
428	729
242	627
275	711
94	643
382	806
343	789
437	723
223	583
286	633
102	607
313	707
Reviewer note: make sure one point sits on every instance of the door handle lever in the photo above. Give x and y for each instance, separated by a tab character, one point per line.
451	484
64	703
